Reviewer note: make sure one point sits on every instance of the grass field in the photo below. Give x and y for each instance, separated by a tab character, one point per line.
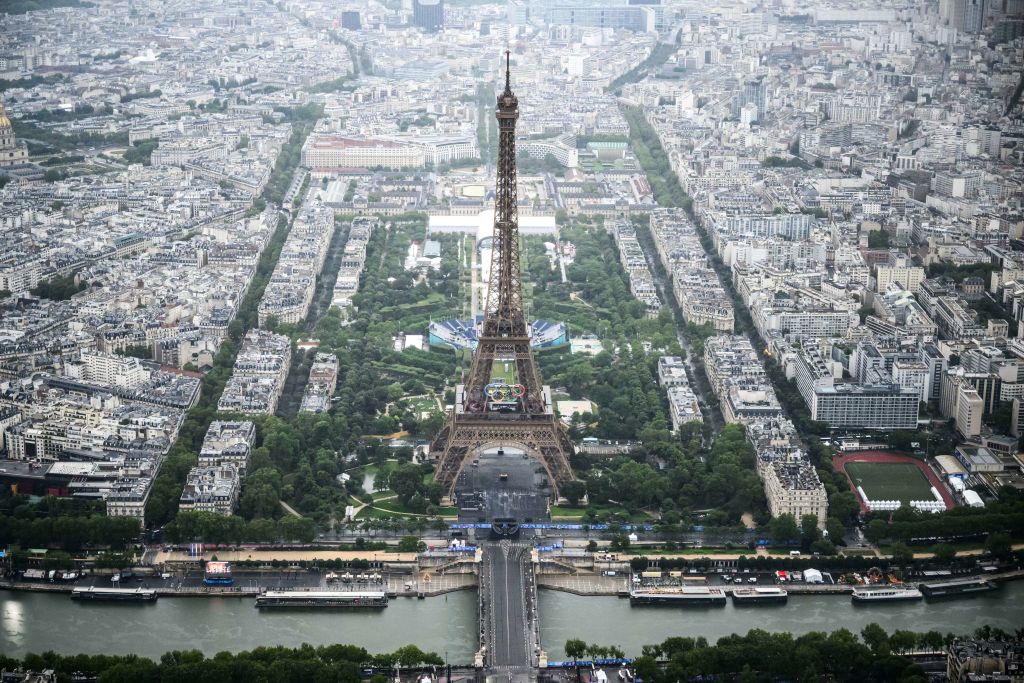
395	506
577	513
423	405
504	371
890	480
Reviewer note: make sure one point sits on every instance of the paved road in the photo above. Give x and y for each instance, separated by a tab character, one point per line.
519	496
509	616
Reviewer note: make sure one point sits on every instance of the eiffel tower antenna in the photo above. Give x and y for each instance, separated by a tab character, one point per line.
503	401
508	70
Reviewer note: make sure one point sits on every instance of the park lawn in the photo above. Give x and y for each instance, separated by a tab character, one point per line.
408	372
561	511
394	506
371	468
374	513
890	480
388	466
504	372
691	552
578	513
423	405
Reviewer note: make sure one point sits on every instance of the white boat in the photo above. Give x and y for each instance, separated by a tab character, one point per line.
885	593
759	594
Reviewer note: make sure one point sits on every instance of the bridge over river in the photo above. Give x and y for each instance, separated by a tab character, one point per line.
509	628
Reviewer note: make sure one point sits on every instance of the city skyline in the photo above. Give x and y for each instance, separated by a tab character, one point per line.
331	305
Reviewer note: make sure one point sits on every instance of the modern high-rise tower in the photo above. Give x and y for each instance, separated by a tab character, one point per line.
503	402
428	15
963	15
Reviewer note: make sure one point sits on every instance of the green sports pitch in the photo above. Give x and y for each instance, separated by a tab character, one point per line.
890	481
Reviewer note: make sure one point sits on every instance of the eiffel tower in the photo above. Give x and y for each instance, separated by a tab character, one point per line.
503	402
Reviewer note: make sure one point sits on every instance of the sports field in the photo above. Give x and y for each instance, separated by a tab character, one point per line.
890	480
504	372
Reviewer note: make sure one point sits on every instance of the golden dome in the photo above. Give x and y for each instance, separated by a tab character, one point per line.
4	121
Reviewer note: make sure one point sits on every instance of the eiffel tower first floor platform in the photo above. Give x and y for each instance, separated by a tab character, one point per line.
465	436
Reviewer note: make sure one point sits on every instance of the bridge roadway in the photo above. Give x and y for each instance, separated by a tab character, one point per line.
508	589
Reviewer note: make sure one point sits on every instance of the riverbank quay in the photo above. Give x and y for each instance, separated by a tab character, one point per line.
395	589
290	557
693	554
599	586
419	584
422	584
606	586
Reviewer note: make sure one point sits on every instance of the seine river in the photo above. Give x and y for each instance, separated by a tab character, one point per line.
35	622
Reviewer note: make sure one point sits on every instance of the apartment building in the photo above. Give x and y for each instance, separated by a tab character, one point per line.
213	489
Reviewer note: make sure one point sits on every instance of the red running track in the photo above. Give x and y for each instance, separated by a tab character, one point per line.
839	464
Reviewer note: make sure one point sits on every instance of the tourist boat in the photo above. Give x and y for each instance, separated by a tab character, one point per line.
305	598
759	595
864	594
114	594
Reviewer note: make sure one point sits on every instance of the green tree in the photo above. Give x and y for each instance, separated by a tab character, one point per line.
901	641
784	529
647	668
409	544
809	528
574	491
406	482
835	529
944	553
823	547
901	554
259	500
933	640
876	638
577	649
998	545
878	239
876	530
843	505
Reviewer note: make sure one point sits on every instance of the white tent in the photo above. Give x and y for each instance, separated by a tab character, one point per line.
972	498
813	576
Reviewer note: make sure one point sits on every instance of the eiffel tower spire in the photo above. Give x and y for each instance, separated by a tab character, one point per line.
503	400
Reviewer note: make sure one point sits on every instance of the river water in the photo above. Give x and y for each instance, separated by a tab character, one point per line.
35	622
611	621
